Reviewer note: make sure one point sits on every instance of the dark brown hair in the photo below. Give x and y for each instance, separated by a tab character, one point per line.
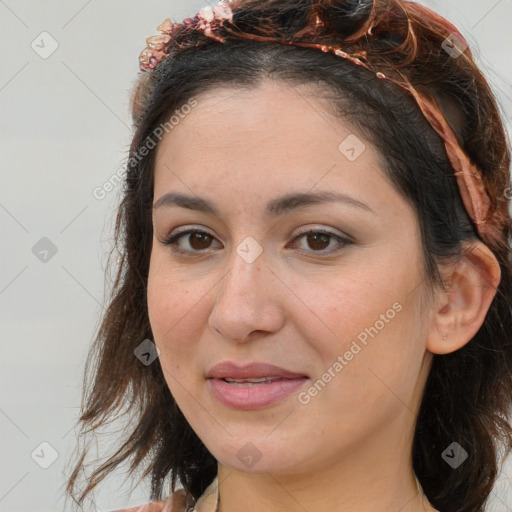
468	395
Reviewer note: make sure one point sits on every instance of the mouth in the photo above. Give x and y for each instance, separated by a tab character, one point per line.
253	372
252	386
252	381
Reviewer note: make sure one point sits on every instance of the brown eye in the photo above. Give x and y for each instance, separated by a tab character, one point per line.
319	240
197	240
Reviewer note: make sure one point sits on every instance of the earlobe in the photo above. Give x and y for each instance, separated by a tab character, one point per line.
461	310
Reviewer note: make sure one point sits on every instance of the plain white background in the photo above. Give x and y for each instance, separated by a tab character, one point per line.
65	130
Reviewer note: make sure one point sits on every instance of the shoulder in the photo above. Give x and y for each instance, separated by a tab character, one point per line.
176	502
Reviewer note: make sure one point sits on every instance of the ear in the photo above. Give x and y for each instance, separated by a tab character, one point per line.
460	310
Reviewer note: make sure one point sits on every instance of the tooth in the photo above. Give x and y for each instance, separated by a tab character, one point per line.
252	380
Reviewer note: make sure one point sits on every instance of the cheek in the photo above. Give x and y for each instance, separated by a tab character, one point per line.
341	306
370	318
178	313
168	302
170	298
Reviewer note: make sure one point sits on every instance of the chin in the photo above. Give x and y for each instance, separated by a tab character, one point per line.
250	455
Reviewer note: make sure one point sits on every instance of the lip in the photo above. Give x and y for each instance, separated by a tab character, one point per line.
253	370
255	396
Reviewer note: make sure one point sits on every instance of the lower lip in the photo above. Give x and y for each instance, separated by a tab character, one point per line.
253	396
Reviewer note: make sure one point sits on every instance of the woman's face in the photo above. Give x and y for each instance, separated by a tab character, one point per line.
346	316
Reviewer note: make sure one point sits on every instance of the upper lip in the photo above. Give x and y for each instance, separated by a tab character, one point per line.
229	369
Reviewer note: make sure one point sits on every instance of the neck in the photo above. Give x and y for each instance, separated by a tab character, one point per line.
375	477
282	493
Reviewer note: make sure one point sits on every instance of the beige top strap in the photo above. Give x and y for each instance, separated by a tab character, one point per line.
209	500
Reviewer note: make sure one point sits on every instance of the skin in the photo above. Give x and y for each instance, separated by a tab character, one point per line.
297	305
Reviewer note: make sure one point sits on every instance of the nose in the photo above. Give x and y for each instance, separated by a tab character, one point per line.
247	301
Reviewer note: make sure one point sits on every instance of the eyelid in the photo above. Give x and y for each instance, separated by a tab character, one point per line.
301	231
343	240
322	229
186	229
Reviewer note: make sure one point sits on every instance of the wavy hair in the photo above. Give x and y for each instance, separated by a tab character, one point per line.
468	394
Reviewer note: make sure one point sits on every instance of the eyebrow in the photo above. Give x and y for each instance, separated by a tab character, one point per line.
274	207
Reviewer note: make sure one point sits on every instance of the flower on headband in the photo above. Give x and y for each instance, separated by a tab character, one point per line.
206	20
208	15
157	46
219	12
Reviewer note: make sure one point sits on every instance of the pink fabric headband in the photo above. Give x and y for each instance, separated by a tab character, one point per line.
476	200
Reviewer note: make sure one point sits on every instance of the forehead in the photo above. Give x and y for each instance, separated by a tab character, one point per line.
264	142
273	121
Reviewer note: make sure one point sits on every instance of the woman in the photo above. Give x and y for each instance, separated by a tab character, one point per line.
313	306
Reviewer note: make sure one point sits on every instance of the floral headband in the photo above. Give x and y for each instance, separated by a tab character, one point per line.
209	20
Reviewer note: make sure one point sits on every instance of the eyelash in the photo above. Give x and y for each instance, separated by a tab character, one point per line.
172	240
